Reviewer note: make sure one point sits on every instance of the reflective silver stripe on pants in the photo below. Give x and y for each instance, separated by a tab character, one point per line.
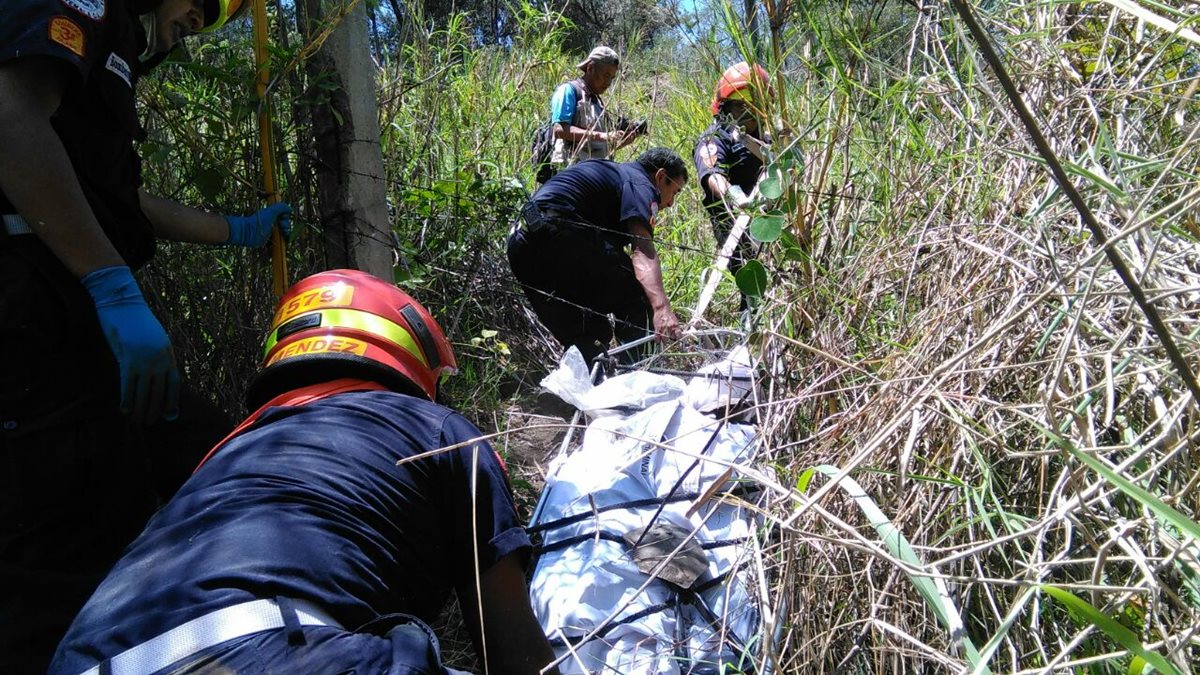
208	631
15	224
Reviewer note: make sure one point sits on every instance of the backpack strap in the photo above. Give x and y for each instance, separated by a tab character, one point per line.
583	93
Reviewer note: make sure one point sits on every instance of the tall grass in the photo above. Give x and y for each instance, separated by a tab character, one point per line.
967	355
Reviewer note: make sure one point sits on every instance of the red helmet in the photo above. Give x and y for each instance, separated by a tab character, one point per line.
346	323
740	78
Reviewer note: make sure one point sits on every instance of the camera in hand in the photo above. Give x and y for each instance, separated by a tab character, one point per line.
632	126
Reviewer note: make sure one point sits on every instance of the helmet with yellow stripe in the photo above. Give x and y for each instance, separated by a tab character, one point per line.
346	323
217	13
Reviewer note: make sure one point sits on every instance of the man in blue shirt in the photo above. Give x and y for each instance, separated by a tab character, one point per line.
83	361
585	250
323	534
583	128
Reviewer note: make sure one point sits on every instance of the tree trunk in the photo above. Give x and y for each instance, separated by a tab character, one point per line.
349	162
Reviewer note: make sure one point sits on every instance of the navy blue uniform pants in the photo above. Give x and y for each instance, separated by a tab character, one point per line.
401	645
77	480
573	281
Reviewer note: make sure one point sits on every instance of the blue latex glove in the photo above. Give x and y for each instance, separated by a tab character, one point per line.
149	380
255	229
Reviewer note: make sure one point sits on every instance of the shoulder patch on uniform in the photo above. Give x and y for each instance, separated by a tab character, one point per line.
118	65
92	9
67	33
708	154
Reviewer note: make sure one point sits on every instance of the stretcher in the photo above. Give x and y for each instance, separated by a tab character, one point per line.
649	553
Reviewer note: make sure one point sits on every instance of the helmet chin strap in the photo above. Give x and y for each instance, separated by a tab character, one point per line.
153	41
156	52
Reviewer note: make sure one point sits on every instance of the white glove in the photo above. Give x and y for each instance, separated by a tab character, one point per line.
736	197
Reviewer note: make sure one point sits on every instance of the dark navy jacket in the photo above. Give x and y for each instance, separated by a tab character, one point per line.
603	194
717	153
101	40
71	374
310	504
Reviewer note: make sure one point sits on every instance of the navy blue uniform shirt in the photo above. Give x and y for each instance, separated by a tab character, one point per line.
309	504
717	153
604	194
101	41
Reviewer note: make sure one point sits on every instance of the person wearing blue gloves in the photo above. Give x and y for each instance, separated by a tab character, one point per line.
85	365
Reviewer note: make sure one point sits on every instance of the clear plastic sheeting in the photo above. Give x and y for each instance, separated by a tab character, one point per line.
586	582
571	382
726	382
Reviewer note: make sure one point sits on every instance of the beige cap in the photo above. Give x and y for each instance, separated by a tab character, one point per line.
600	54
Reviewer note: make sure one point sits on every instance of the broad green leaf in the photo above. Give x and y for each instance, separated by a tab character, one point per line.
791	247
752	279
488	333
209	182
771	186
804	479
1122	635
767	227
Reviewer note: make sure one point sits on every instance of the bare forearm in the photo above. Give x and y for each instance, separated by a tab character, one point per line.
574	134
517	645
648	271
718	184
176	222
37	177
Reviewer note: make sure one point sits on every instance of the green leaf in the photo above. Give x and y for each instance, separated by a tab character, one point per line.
767	227
771	186
804	479
752	279
209	181
487	333
1122	635
791	247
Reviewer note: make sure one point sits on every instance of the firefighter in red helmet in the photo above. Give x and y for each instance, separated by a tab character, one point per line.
323	534
84	363
727	155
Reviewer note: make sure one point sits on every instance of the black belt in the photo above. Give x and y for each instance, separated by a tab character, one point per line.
542	221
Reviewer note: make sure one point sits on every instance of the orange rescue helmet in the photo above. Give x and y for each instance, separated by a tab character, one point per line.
347	323
217	13
740	81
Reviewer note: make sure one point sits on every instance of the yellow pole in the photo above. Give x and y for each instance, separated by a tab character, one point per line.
266	144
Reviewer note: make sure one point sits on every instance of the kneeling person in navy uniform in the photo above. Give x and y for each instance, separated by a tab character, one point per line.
570	253
323	533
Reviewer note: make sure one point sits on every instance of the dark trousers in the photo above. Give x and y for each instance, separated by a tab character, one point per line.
71	498
77	480
393	645
574	280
